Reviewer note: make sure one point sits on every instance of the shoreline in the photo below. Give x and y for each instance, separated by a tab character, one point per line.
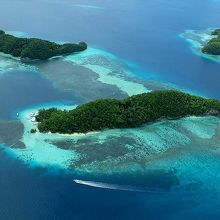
31	117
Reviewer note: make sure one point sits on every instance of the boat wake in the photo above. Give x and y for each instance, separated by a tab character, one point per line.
111	186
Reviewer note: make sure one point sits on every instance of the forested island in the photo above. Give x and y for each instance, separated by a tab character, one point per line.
33	48
213	46
127	113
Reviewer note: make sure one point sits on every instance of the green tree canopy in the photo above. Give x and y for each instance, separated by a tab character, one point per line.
33	48
130	112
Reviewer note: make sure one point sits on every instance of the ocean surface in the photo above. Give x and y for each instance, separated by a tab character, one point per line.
166	170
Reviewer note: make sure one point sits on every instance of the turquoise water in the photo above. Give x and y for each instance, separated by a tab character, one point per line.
165	170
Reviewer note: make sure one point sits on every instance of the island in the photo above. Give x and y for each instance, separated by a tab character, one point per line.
34	48
131	112
213	46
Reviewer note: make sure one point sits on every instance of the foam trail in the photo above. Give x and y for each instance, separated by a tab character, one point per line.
110	186
88	6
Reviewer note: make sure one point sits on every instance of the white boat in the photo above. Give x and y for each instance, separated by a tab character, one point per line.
109	186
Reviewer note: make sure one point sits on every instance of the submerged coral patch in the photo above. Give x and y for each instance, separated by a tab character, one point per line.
108	70
11	132
7	63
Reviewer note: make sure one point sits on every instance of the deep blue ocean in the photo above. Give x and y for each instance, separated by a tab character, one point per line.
141	32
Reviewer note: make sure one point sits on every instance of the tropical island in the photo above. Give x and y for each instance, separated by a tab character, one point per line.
34	48
213	46
131	112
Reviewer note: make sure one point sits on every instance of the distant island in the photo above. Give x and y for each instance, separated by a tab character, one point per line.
213	46
127	113
33	48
